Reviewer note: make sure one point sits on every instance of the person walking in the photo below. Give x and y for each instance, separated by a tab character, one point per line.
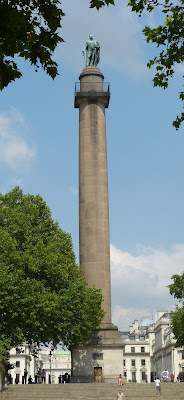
25	375
120	395
43	375
120	379
158	387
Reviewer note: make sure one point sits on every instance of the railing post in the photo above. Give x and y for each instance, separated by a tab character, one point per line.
105	88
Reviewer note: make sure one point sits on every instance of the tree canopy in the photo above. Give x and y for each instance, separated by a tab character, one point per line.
43	297
28	29
177	322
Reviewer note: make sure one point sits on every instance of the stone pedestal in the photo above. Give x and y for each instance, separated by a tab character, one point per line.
94	246
101	359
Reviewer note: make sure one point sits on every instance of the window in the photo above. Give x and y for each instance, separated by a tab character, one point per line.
182	355
143	376
133	377
125	374
97	356
124	363
133	363
143	363
132	349
17	364
17	351
142	349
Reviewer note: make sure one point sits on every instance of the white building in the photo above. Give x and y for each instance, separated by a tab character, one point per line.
137	353
56	363
20	359
150	349
165	354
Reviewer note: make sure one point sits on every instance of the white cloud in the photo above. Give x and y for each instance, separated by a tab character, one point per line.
123	314
117	29
139	281
15	151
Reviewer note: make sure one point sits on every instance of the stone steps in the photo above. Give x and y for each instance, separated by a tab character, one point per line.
132	391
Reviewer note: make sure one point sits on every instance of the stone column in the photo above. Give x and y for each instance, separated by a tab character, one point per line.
103	353
94	249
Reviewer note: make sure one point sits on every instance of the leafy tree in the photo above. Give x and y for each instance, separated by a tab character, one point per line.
100	3
177	290
169	37
28	29
43	297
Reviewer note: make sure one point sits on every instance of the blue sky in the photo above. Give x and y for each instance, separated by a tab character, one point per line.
39	152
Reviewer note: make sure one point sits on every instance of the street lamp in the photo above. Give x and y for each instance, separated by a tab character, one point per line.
50	355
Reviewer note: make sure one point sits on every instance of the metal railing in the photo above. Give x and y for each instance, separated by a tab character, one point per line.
92	86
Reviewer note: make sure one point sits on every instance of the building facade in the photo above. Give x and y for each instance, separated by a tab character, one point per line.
55	363
20	359
165	354
137	353
148	350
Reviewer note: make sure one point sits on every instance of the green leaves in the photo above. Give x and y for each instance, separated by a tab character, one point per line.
177	322
42	288
29	30
177	287
169	36
100	3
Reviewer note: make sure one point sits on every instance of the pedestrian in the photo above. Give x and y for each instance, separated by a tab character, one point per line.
120	395
25	375
10	379
6	381
67	377
165	375
172	378
158	387
43	375
120	379
30	380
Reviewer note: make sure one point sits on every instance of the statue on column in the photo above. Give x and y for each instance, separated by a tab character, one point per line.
91	52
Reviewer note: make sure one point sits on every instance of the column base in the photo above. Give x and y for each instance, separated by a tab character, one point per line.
101	359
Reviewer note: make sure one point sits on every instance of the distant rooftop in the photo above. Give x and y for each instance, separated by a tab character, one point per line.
62	352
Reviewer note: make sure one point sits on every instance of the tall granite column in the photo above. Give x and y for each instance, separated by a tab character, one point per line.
94	248
103	354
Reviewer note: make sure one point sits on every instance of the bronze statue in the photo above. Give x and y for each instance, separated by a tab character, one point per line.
91	52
